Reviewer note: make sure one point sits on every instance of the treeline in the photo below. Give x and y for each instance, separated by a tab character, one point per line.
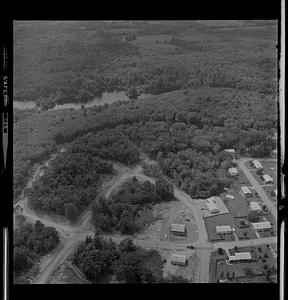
30	242
98	259
215	118
120	211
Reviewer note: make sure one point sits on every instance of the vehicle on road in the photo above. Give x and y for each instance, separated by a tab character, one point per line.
188	220
190	247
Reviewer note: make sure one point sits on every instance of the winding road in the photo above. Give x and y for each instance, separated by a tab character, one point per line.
71	235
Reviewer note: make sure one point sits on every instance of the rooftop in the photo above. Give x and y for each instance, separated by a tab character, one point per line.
178	227
178	258
255	206
245	190
267	177
223	228
261	225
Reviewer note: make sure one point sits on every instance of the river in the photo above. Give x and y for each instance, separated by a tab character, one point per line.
106	97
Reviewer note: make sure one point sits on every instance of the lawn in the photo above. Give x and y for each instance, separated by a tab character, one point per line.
268	190
238	206
270	168
225	219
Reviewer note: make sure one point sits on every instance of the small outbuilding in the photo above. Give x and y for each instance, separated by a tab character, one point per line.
178	229
178	259
233	172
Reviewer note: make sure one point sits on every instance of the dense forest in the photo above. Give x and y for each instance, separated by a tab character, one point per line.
169	127
30	242
119	212
59	62
70	184
98	259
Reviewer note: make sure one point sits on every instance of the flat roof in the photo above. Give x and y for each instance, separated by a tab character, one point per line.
255	205
245	190
223	228
261	225
178	258
240	256
178	227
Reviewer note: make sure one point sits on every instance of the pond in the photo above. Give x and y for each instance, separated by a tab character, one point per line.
106	97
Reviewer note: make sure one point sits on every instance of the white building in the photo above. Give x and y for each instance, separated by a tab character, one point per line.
178	229
255	206
267	179
178	259
240	256
261	226
211	205
233	172
245	191
223	229
257	165
230	151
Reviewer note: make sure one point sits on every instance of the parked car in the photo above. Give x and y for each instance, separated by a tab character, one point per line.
190	247
188	220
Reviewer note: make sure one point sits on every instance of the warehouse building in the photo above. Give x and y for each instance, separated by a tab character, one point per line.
178	229
255	206
257	165
245	191
178	259
267	179
224	229
233	172
261	226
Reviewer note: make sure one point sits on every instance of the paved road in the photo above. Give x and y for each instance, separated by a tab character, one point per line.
257	187
70	236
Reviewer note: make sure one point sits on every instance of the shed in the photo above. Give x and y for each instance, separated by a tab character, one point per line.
261	225
178	259
255	206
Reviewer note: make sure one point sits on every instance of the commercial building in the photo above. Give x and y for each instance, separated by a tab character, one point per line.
257	165
267	179
178	229
232	172
245	191
211	205
261	226
255	206
178	259
224	229
240	256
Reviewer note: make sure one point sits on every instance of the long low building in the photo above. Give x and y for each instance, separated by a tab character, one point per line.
178	229
255	206
240	256
178	259
224	229
261	226
246	191
267	179
257	165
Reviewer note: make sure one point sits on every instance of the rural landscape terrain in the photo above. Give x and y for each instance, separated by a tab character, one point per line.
145	152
